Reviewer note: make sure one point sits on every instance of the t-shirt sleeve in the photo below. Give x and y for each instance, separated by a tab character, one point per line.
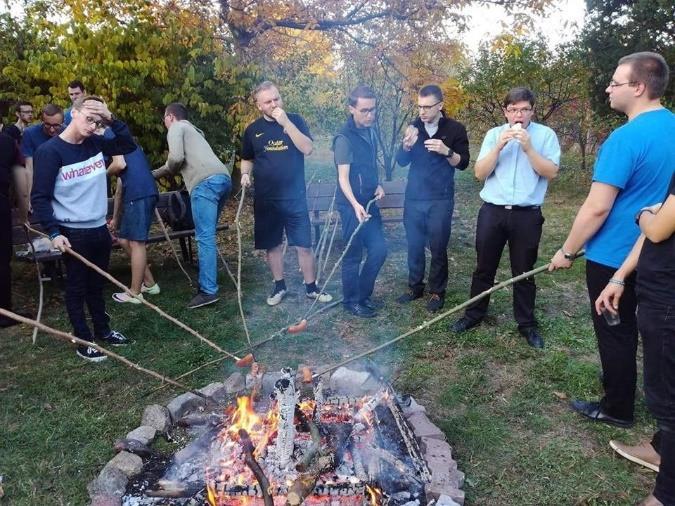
489	142
247	151
615	161
343	151
551	147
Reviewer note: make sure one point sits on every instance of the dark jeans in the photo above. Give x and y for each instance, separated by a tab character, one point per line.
358	282
657	328
521	229
5	249
617	345
428	222
83	284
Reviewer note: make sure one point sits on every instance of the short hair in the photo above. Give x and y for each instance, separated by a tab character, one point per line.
87	98
177	109
265	85
21	104
76	83
432	90
649	68
361	91
52	110
519	94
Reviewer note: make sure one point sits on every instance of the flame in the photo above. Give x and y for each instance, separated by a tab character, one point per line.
244	417
211	496
375	495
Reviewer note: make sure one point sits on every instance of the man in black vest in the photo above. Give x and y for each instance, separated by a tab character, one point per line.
355	151
434	146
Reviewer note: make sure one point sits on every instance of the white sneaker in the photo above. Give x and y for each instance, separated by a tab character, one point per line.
321	297
276	297
152	290
125	297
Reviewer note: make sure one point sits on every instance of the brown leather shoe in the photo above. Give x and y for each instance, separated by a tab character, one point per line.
651	501
642	453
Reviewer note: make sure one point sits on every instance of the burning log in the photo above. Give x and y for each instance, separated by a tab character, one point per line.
255	468
311	452
170	488
286	399
303	486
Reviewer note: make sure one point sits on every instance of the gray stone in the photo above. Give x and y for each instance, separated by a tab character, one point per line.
128	463
423	427
440	466
436	489
269	379
110	482
348	382
145	434
183	404
234	383
105	500
435	447
457	476
158	417
216	391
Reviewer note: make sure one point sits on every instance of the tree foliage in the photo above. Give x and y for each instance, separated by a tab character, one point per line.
615	28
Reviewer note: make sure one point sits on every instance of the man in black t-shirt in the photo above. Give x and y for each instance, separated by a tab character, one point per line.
273	151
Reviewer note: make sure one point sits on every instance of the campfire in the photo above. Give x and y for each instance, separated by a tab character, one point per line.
319	449
294	442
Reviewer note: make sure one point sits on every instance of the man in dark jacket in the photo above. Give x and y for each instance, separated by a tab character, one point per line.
434	146
355	151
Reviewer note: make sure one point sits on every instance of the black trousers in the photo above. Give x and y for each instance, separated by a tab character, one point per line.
521	229
617	345
84	285
657	328
358	281
5	249
428	222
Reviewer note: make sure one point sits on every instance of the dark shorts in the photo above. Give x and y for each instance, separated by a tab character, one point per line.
272	217
136	219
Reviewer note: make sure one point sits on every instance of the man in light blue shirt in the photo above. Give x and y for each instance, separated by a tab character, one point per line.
516	161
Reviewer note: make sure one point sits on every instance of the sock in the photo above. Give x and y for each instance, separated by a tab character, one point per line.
279	285
311	287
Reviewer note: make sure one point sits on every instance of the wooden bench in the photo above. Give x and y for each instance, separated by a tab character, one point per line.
22	237
320	196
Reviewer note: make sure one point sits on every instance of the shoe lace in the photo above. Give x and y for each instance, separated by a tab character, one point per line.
435	296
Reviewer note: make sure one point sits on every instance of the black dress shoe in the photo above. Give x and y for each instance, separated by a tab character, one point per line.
533	337
360	310
371	304
409	296
463	324
592	410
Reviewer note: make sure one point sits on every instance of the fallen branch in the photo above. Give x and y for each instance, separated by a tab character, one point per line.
72	339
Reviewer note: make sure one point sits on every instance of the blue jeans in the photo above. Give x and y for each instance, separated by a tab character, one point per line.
207	199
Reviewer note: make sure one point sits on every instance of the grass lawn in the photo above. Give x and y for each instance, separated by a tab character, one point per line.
502	404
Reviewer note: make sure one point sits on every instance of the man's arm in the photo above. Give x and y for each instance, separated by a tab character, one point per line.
346	187
610	296
117	205
588	221
460	146
246	167
486	164
47	165
300	140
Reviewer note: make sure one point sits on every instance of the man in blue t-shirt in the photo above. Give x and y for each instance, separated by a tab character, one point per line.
273	151
36	135
633	166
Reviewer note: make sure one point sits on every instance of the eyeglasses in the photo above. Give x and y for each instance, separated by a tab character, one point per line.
523	110
372	110
51	126
613	84
425	108
94	121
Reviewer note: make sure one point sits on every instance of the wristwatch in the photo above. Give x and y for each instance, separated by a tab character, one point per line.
568	256
450	152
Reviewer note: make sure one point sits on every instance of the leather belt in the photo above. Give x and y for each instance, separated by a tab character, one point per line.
513	208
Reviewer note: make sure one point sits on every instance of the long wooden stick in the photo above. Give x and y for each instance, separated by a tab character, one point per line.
173	248
438	318
40	280
70	338
239	257
110	278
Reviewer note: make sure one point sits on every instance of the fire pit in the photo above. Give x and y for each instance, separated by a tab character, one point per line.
346	441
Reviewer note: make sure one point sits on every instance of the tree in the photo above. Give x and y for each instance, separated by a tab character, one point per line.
615	28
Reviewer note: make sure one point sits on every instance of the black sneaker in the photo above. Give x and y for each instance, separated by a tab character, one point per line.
435	303
90	354
409	297
115	339
202	299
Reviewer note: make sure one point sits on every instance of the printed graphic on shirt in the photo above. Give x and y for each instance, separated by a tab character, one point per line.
279	145
77	172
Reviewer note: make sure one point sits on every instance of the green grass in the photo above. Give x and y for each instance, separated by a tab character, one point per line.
502	405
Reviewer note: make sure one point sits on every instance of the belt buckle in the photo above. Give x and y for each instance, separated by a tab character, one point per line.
508	207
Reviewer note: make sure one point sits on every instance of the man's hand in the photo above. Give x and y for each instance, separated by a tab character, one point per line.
559	261
60	242
280	117
609	298
523	138
410	137
379	192
246	180
100	108
505	137
437	146
112	225
361	213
